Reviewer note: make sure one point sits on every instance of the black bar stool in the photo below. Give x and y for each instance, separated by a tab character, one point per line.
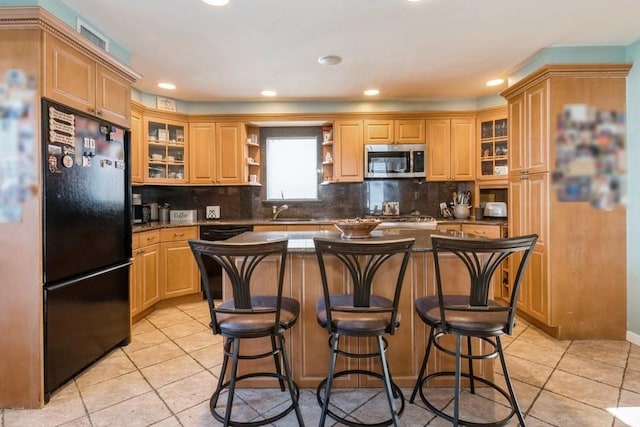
360	312
473	315
249	316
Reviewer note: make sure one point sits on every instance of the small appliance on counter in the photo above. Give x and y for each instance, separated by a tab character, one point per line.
495	210
137	208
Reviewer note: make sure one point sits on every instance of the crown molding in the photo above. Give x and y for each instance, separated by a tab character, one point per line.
34	17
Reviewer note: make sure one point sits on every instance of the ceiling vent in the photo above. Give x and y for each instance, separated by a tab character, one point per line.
92	35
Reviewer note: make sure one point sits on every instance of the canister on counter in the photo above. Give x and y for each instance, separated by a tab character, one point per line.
164	213
154	210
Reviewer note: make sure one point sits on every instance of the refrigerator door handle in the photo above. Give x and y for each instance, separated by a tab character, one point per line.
88	276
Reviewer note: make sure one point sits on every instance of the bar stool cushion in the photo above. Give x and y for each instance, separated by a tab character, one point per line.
357	322
239	324
428	308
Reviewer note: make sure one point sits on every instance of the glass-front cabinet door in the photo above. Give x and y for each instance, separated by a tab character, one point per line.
166	143
493	149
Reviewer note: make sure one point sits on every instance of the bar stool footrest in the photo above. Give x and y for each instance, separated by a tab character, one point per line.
396	392
462	422
214	400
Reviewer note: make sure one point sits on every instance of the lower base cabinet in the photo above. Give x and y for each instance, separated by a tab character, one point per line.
145	271
178	269
163	267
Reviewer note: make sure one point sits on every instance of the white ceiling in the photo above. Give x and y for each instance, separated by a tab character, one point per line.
432	49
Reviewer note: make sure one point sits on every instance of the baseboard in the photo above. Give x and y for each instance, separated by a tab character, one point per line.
633	338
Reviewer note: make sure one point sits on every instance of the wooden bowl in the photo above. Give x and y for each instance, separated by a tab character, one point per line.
356	228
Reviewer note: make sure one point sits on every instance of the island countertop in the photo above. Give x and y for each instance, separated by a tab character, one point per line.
302	241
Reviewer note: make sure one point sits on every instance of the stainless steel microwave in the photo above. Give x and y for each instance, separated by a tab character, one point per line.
395	160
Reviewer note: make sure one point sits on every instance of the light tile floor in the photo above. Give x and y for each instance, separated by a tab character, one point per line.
167	374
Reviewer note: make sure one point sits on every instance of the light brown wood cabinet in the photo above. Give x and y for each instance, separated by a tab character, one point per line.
218	153
136	160
410	131
78	81
484	230
145	285
202	164
451	226
179	273
529	130
451	149
575	284
230	153
166	150
348	155
492	146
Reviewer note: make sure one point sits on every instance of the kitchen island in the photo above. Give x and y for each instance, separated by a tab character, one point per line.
308	342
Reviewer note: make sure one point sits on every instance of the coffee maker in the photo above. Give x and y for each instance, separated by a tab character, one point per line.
136	206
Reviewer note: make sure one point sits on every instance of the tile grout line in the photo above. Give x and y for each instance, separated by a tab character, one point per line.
621	388
173	415
84	404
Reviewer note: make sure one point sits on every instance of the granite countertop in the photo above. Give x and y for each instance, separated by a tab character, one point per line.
302	241
289	221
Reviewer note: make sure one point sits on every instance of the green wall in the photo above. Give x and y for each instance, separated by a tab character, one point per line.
633	190
68	16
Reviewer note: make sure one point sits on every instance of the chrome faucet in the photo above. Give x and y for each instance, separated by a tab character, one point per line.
276	210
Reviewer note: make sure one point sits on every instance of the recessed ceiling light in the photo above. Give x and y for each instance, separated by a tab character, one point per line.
216	2
269	93
495	82
329	60
372	92
165	85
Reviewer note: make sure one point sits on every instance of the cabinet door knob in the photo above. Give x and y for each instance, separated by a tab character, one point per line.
178	234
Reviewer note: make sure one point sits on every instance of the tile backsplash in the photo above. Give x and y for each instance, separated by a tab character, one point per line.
334	200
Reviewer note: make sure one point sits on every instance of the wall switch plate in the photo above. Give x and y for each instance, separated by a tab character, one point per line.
213	212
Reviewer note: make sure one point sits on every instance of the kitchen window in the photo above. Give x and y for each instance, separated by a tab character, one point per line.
292	168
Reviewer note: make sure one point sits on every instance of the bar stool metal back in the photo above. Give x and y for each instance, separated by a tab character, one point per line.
473	315
247	316
361	312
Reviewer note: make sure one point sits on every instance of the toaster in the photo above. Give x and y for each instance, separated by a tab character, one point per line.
495	209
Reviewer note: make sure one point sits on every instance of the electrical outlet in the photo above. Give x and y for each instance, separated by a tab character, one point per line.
213	212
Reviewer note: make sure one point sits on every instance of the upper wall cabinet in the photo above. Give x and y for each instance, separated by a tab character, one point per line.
230	153
78	81
394	131
136	160
220	153
451	150
166	151
492	150
348	153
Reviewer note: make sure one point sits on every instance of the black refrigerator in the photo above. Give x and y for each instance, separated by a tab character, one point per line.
86	241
